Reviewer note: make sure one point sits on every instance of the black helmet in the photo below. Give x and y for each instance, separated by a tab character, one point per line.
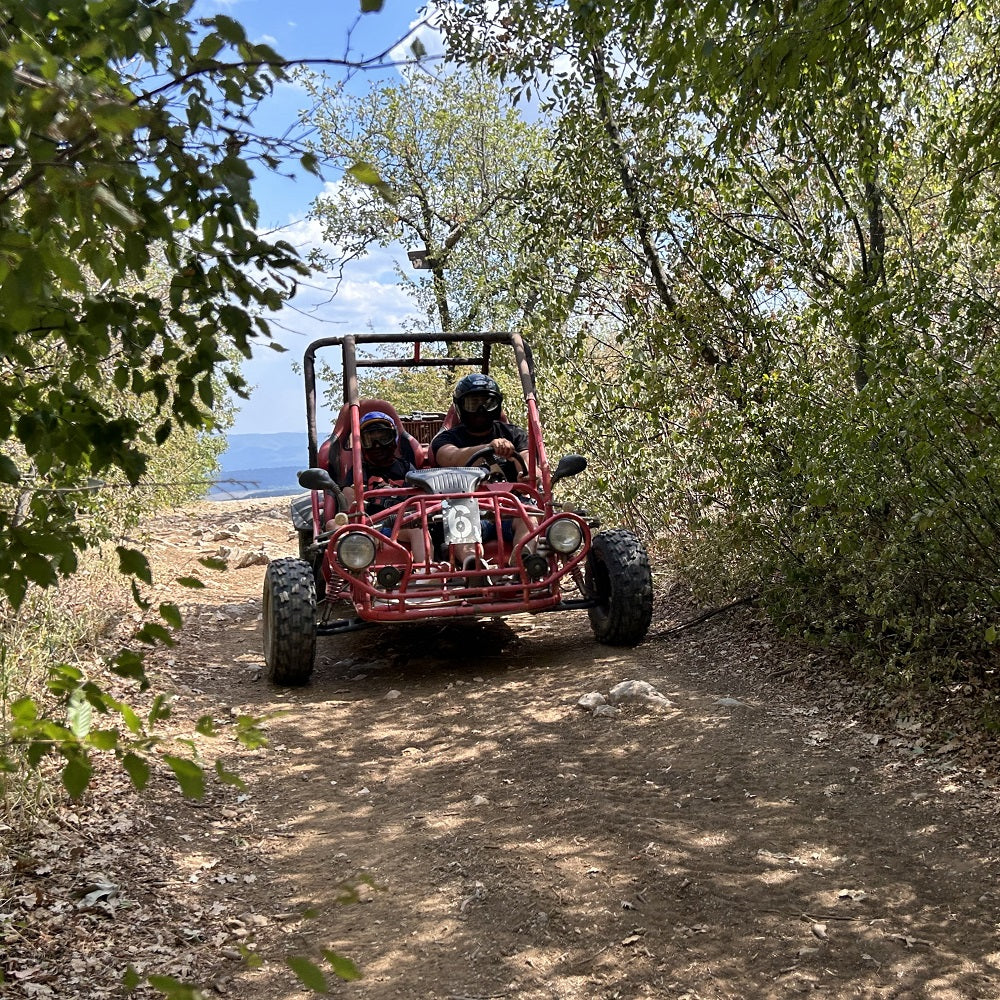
478	400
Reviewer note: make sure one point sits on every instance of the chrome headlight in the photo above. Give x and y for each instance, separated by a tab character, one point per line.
564	535
356	550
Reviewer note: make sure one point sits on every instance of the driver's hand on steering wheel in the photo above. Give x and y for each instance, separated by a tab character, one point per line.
502	448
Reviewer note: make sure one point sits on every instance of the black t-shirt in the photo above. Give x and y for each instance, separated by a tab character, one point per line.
461	437
394	474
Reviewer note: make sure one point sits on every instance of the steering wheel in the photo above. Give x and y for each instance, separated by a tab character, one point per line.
502	470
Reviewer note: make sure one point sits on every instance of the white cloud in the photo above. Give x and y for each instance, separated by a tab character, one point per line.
369	295
424	30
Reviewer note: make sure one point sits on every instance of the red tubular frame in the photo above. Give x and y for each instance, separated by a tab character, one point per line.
505	589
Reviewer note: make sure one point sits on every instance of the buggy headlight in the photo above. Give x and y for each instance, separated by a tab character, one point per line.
564	535
356	550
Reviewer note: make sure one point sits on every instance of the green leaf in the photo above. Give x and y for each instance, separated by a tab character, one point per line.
76	774
418	48
132	665
103	739
189	775
151	633
365	173
163	433
131	979
210	562
9	472
138	770
371	6
140	601
229	29
174	989
191	582
991	634
134	563
171	614
227	777
24	710
310	163
64	679
253	959
132	721
160	709
310	975
249	733
79	715
343	968
205	726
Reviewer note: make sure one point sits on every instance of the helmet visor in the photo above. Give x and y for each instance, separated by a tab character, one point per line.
477	402
378	436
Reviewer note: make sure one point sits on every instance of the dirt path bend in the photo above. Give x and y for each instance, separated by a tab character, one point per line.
436	807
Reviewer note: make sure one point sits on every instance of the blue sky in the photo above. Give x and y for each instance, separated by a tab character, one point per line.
370	293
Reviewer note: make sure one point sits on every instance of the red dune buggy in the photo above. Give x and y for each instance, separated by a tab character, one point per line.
354	568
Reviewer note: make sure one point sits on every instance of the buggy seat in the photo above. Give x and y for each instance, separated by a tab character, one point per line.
463	479
336	453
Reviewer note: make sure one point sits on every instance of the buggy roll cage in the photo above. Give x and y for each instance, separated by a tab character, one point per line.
349	343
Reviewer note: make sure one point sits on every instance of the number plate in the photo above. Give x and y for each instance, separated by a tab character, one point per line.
461	521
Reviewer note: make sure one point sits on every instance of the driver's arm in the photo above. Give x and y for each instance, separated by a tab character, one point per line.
450	454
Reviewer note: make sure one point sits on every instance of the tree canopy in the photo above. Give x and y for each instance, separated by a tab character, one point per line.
441	161
124	129
791	300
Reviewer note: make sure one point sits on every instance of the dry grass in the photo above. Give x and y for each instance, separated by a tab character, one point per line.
62	625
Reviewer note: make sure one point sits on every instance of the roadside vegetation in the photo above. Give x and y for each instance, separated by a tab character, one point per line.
760	286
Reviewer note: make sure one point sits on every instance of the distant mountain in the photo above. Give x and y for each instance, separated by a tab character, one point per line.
261	465
265	451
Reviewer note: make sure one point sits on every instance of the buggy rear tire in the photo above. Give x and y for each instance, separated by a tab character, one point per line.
619	579
289	612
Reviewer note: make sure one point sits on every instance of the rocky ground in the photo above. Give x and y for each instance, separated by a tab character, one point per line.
437	808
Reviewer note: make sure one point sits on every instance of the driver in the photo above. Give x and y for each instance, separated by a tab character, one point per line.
478	402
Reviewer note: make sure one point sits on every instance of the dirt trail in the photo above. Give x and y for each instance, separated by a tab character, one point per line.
757	839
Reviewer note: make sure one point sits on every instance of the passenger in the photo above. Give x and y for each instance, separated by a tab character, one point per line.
381	466
478	402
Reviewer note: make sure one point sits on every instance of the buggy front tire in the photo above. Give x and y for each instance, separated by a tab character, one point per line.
289	613
620	581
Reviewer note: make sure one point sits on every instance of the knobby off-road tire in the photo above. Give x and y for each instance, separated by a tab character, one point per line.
289	621
618	576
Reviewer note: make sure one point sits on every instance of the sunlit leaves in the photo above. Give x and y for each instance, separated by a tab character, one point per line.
79	714
110	177
343	968
228	777
365	173
822	224
308	973
441	162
